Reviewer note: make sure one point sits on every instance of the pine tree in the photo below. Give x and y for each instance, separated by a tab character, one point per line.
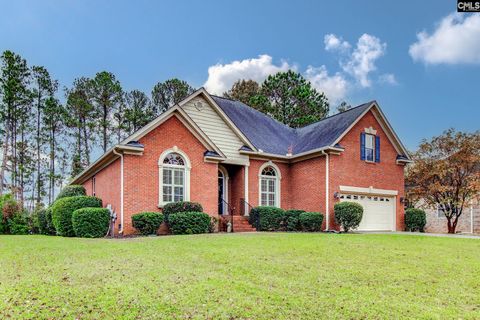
138	112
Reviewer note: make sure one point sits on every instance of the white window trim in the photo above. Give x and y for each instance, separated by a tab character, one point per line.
225	188
278	184
161	165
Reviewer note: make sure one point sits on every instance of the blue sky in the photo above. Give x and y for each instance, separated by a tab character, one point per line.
354	50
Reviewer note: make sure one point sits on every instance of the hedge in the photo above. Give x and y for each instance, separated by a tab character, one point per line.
73	190
311	221
18	224
415	219
292	220
62	210
267	218
91	222
189	222
147	222
45	223
180	206
348	215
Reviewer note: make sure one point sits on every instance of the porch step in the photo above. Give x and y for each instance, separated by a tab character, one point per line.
241	224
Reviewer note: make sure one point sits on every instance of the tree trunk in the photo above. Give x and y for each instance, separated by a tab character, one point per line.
4	161
38	154
104	128
451	225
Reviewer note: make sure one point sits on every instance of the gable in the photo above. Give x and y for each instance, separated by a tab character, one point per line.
211	123
368	123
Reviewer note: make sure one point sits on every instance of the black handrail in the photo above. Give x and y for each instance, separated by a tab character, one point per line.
244	204
230	213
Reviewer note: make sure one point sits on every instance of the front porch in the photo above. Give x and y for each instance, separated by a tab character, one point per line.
233	206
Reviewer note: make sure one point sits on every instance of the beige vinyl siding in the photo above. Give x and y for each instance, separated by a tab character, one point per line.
216	129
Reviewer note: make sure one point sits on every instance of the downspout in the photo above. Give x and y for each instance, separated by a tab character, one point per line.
121	190
327	191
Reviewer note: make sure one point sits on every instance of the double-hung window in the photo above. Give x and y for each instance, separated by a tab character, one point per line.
173	183
369	147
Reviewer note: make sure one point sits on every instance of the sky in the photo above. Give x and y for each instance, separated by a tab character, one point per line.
419	59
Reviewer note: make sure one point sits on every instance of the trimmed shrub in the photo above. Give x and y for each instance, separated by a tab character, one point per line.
311	221
91	222
45	224
18	224
267	218
63	208
73	190
189	222
147	222
348	215
180	206
415	219
292	221
3	227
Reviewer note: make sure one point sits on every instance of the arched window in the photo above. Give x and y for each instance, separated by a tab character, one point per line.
174	177
269	178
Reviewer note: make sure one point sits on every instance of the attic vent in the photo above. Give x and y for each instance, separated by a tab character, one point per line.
198	105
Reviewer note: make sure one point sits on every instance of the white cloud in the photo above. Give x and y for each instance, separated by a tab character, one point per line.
335	87
221	77
362	60
388	78
332	42
454	41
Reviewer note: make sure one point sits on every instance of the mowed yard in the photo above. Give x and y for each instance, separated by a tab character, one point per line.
240	276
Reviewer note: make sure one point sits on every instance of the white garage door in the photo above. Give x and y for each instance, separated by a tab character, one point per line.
378	211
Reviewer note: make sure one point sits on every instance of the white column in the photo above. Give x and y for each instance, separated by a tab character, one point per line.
246	189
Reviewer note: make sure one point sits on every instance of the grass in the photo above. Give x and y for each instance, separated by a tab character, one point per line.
240	276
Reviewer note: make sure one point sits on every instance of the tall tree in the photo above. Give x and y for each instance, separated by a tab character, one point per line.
43	88
446	173
54	116
138	112
14	80
81	120
106	95
243	90
291	99
166	94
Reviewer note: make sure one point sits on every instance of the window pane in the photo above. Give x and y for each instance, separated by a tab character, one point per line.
178	177
167	176
264	185
264	199
369	141
167	194
369	154
178	196
271	199
271	185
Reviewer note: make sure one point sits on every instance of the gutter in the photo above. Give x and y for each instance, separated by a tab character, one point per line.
121	189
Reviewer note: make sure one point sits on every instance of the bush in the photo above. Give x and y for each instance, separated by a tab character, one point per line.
267	218
63	208
10	208
348	215
415	220
189	222
292	221
45	224
311	221
181	206
3	226
73	190
147	222
91	222
18	224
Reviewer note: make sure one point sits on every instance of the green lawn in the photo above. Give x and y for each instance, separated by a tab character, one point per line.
240	276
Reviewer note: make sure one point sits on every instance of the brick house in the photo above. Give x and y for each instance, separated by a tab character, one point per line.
469	221
230	157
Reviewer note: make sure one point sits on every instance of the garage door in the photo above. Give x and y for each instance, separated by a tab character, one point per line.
378	211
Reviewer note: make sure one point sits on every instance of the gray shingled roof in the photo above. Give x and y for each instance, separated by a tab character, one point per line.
274	137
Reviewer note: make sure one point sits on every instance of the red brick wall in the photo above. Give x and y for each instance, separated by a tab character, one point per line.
347	168
107	187
307	186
